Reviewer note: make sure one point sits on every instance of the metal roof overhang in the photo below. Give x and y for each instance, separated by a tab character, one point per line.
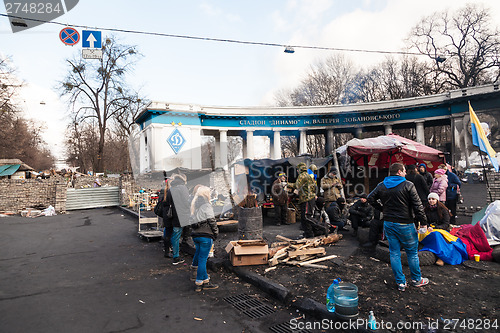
8	169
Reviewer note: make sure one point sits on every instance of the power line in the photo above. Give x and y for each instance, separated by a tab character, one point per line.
235	41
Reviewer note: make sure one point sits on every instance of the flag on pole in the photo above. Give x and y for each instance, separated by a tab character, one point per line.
479	138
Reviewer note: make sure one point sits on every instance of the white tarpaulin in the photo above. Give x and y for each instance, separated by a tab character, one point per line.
490	223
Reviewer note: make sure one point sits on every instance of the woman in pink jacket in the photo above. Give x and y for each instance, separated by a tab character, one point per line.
440	184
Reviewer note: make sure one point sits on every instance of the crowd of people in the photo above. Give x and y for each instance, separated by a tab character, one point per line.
396	208
409	199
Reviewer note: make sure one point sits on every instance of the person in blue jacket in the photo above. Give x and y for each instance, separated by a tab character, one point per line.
401	206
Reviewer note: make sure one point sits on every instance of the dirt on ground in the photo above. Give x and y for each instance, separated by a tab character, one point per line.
469	295
459	298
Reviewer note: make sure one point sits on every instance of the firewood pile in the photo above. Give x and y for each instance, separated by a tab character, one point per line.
303	252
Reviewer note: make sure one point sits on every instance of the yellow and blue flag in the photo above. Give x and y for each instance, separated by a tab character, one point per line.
479	138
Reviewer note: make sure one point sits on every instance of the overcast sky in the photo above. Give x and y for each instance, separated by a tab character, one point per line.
213	73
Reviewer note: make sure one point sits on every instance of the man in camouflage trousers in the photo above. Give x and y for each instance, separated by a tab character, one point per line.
306	188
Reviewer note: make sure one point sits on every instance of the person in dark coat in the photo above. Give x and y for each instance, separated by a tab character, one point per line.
419	181
422	169
162	198
204	232
376	230
320	221
337	213
280	199
452	190
178	198
360	214
438	215
401	206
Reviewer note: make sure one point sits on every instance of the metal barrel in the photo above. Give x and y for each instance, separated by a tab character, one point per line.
250	223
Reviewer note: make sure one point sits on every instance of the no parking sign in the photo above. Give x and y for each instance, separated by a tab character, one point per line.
69	36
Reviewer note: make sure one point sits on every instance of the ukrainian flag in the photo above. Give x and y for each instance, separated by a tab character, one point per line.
479	138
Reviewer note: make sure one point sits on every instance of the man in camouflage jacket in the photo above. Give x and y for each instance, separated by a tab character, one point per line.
306	188
332	187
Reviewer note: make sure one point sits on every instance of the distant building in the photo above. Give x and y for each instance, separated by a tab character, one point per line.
170	135
14	169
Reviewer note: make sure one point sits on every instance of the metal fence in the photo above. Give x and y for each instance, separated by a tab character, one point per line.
92	197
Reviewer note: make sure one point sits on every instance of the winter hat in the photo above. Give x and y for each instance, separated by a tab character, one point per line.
423	164
333	170
302	166
440	171
433	196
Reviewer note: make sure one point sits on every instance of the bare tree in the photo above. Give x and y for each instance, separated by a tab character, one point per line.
316	145
234	148
101	86
463	45
325	84
19	138
289	146
130	108
9	89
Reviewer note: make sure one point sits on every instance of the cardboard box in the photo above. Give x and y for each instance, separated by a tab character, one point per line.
247	252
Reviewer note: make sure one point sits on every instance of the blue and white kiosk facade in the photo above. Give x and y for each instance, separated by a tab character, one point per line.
171	134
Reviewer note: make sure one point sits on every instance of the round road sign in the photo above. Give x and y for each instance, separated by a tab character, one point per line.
69	36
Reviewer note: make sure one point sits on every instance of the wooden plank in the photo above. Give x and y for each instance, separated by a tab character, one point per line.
273	251
228	222
314	266
319	259
278	244
269	269
279	254
283	238
274	260
251	242
313	251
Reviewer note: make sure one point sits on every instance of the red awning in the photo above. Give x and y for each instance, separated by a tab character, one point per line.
384	150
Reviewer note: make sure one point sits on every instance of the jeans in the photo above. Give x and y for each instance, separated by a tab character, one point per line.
203	246
405	235
176	236
171	237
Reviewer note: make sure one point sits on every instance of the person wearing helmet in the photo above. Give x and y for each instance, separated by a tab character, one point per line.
313	171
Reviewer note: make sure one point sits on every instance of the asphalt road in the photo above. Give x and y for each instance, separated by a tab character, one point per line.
87	271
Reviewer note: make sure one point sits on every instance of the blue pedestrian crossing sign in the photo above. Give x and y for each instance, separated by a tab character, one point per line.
176	141
91	39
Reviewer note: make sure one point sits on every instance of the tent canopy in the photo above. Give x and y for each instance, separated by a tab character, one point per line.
384	150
